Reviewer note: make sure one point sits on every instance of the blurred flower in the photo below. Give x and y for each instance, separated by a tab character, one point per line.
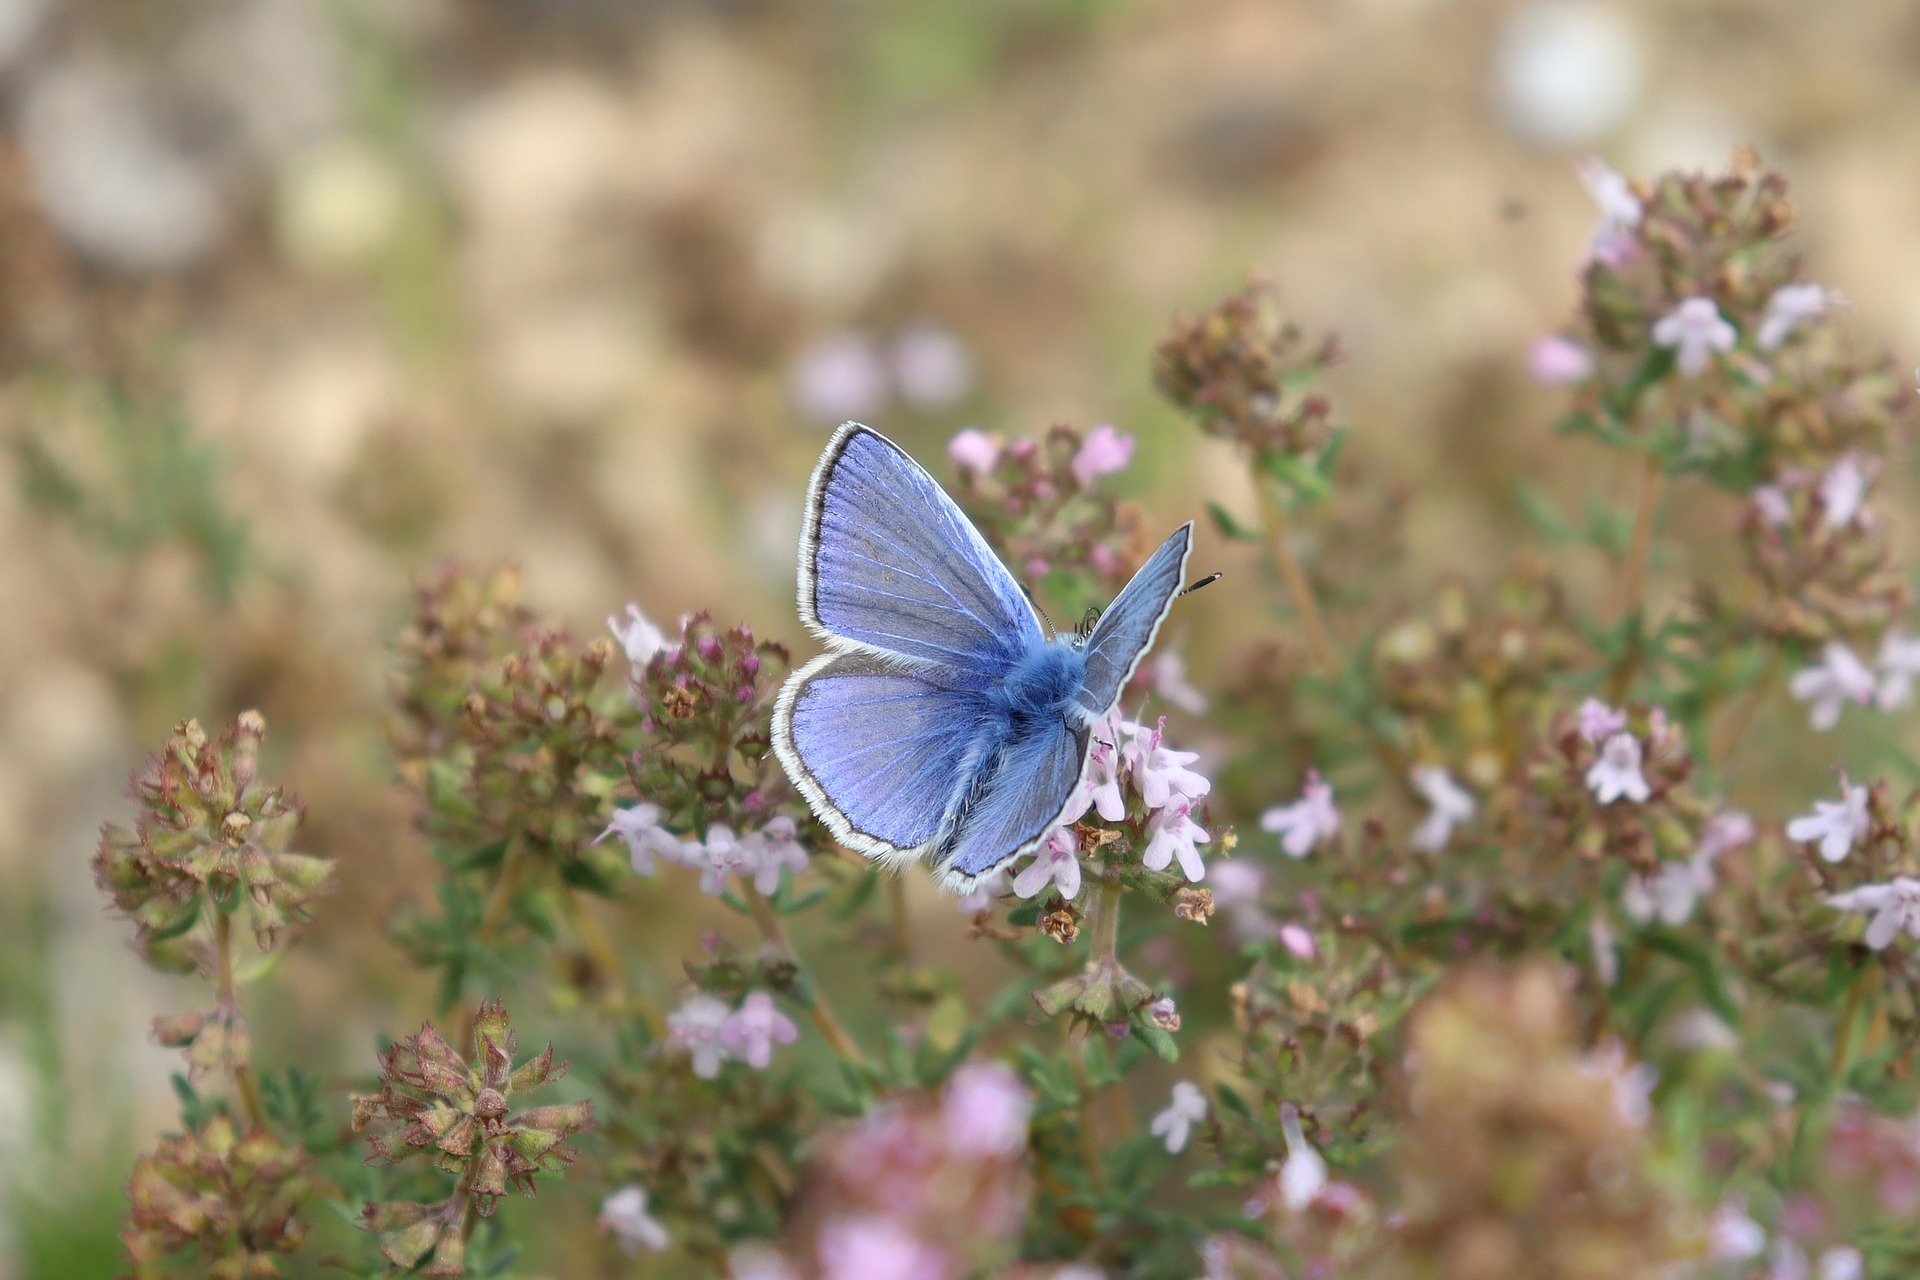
1843	490
723	854
973	450
1159	772
1842	1262
1732	1236
869	1248
985	1110
1104	452
750	1031
340	204
1696	328
1307	821
1895	907
232	1196
780	850
1056	862
645	838
1726	831
1620	210
757	1262
1839	678
1303	1176
1771	501
624	1214
984	891
1787	307
1669	893
1600	946
1175	1124
1298	942
840	378
1568	71
1632	1081
931	368
1899	663
696	1026
1555	361
1167	677
1598	721
639	637
1836	826
1617	772
1172	834
1451	806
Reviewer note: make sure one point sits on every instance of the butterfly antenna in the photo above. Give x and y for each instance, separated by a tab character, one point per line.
1088	621
1207	581
1027	591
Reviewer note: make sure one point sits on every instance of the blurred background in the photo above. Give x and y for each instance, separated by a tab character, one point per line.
298	297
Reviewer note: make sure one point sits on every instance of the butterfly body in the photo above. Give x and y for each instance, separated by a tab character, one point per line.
943	723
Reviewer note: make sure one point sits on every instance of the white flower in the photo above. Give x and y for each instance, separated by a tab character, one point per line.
1669	893
1620	210
1842	1262
1632	1081
1732	1236
749	1031
1606	959
1167	676
984	889
1895	906
1160	772
1839	678
1899	663
1836	826
779	848
1172	834
624	1213
1056	862
1103	778
1175	1124
1307	821
1598	721
639	637
1789	305
1726	831
1771	501
645	838
1617	772
1555	361
1696	328
1843	490
985	1110
1452	805
722	854
696	1025
1303	1176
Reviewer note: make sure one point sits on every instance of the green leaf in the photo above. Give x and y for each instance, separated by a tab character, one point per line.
1538	510
581	874
1161	1042
489	854
1229	527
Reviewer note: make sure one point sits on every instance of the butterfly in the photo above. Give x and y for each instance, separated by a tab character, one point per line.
942	722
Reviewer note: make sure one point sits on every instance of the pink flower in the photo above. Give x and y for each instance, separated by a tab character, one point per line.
1103	777
779	849
1895	906
1298	942
1771	501
1899	663
1167	676
1055	863
1555	361
931	368
1789	305
875	1248
1697	329
985	1109
1172	834
750	1031
1307	821
840	377
725	855
1175	1125
639	637
973	450
695	1026
1617	772
1620	211
624	1214
983	892
1104	452
1840	677
1598	721
1160	772
640	827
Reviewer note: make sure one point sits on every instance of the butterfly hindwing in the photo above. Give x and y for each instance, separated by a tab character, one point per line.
1019	796
879	751
1126	630
889	563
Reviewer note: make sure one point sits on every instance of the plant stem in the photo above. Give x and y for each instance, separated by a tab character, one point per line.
819	1012
1105	928
243	1081
1630	593
1733	735
1273	520
596	944
500	900
1089	1133
1843	1034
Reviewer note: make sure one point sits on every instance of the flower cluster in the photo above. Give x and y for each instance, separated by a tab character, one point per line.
432	1100
711	1033
1611	785
1039	503
231	1195
208	838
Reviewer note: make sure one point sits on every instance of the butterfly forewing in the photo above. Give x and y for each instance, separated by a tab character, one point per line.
1126	630
888	562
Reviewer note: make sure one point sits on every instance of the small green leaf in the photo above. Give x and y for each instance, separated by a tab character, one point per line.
1229	527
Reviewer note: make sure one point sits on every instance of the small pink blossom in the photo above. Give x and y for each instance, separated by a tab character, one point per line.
985	1109
931	368
974	450
1837	827
841	377
1895	906
624	1215
779	850
1789	305
1306	822
1839	678
870	1248
1167	677
1899	663
638	637
722	854
1103	452
983	892
750	1031
1732	1236
1617	772
1174	1126
1598	721
1298	942
639	826
1172	834
695	1026
1159	772
1771	501
1555	361
1697	329
1103	777
1055	863
1614	240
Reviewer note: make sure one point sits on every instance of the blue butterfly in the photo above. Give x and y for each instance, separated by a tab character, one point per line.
943	723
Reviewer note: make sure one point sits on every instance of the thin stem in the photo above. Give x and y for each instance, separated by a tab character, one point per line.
500	900
1734	734
243	1081
1319	635
820	1012
1089	1132
1843	1034
1630	593
1105	929
596	944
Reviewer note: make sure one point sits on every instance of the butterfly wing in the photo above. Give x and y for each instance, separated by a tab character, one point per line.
1124	633
879	750
1020	796
888	563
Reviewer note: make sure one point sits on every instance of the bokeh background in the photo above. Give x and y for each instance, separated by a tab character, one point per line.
299	296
